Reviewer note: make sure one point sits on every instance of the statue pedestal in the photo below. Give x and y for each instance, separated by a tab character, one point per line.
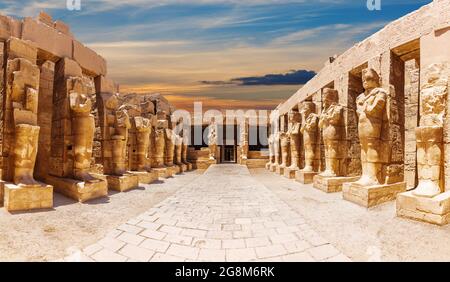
332	184
79	190
188	166
145	177
24	198
305	177
175	169
434	210
290	173
122	183
268	166
370	196
280	170
273	167
183	167
162	172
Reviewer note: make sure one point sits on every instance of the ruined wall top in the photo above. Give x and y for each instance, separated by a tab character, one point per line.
53	40
399	36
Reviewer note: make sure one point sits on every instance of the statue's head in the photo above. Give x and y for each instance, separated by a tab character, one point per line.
307	108
122	118
80	103
330	97
370	79
294	116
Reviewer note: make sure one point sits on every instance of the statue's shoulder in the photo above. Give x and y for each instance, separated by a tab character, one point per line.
378	92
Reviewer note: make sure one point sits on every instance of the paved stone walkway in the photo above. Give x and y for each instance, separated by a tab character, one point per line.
223	215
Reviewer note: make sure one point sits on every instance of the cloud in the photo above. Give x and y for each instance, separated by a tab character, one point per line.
294	77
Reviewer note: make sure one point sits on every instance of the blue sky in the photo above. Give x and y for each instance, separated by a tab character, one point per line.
172	46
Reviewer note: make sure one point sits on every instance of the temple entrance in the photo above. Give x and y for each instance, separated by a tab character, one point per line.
229	154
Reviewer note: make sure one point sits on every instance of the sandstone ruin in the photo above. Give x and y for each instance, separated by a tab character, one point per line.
382	106
65	126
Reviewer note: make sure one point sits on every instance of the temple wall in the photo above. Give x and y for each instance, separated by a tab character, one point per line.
400	32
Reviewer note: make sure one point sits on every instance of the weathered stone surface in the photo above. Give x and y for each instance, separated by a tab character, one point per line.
17	198
90	61
434	210
331	184
79	190
370	196
47	39
122	183
305	177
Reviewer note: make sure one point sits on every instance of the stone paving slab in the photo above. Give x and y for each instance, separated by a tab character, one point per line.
224	215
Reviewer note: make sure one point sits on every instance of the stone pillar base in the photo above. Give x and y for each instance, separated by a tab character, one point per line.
280	170
332	184
79	190
122	183
434	210
289	173
145	177
273	167
183	167
163	172
188	166
175	169
370	196
305	177
25	198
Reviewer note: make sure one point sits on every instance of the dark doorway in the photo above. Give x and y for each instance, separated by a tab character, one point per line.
229	154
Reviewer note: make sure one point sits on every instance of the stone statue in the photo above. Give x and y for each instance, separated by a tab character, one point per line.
160	144
83	128
271	151
212	141
370	109
429	134
23	82
331	123
294	137
170	146
143	130
244	140
178	150
119	142
284	144
276	148
309	130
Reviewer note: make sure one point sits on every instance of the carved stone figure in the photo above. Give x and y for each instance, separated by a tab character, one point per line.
331	123
284	144
119	141
429	134
143	129
294	138
83	128
271	151
370	109
212	140
170	147
244	140
276	148
309	131
23	82
160	144
178	150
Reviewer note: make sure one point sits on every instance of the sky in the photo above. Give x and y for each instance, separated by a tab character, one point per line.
228	54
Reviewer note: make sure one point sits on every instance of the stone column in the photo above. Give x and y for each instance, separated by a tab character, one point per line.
294	145
309	130
21	132
73	134
374	185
